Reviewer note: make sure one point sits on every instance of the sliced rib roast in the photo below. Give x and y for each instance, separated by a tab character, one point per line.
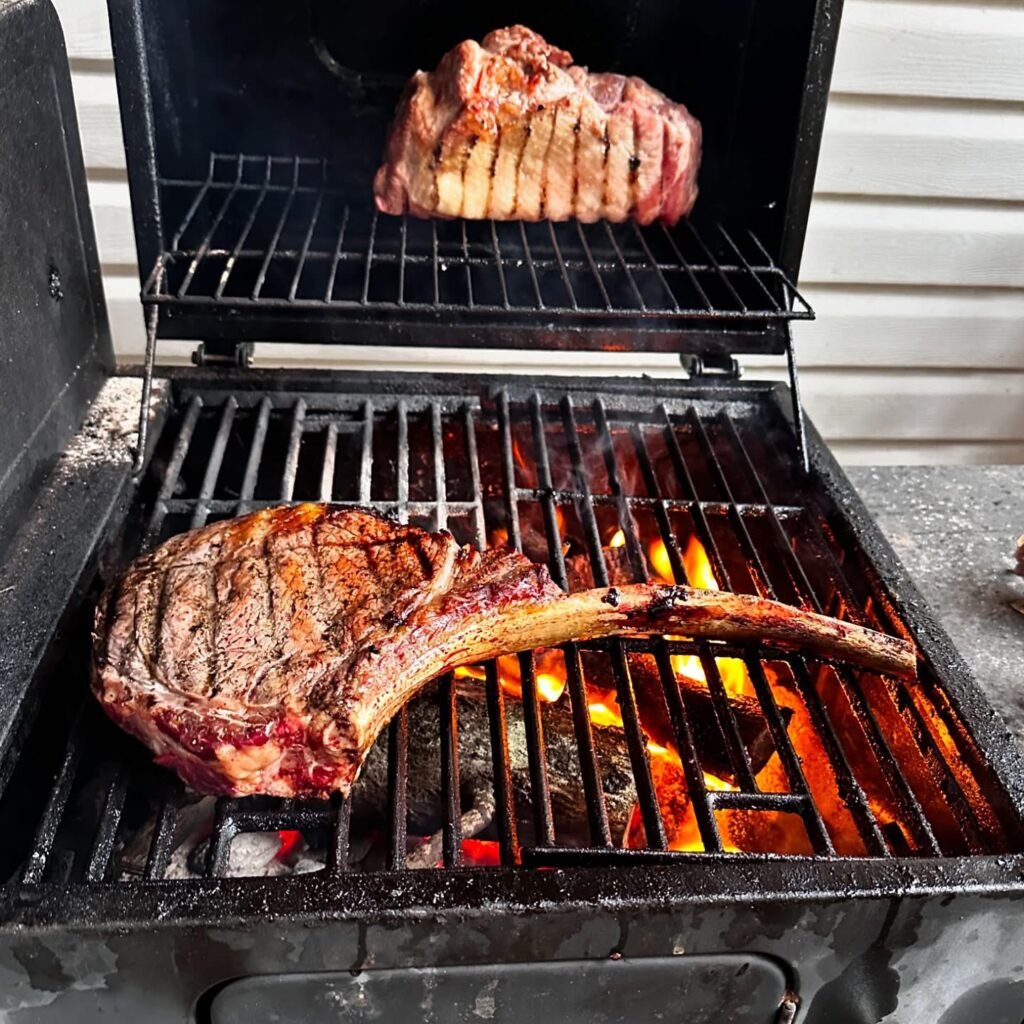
264	654
513	130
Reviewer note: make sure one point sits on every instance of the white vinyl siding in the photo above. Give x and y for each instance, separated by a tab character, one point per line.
914	257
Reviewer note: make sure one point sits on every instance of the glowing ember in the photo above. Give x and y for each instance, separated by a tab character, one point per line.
291	841
480	852
618	539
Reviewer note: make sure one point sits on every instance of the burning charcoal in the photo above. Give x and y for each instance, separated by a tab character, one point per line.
424	798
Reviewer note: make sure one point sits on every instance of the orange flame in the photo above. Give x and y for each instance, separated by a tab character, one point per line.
700	573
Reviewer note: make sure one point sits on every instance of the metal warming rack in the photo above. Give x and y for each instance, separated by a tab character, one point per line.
262	235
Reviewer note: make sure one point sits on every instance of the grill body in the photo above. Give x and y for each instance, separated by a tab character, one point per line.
903	904
882	934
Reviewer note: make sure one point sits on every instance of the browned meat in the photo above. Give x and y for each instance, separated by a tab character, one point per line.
513	130
265	654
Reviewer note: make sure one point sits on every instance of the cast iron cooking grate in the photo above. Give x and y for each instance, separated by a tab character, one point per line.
600	752
273	232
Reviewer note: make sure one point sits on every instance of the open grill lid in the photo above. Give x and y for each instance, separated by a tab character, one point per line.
253	130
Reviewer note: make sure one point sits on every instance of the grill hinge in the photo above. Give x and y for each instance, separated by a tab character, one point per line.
224	353
712	364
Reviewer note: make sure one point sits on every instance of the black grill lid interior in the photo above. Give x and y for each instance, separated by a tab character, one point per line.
253	130
55	345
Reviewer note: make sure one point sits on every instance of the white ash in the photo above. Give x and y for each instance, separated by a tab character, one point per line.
111	430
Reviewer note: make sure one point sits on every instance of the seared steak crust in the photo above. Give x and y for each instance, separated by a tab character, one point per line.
244	653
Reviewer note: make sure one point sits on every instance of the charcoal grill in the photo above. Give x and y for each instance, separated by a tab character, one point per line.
591	832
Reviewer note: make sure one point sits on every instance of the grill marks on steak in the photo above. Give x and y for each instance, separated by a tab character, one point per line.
511	129
265	654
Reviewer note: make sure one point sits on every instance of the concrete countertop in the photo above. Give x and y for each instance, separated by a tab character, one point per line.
955	529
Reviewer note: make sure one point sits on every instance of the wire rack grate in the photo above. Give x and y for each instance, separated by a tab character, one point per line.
268	232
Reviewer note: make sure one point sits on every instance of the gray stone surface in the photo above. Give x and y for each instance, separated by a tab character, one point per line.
955	529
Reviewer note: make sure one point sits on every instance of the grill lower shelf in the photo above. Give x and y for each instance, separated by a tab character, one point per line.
263	234
636	751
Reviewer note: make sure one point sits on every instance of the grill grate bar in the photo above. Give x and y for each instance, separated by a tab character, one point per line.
816	830
403	461
332	276
370	244
162	845
204	245
597	808
268	257
533	723
177	460
252	464
60	793
532	719
751	273
214	462
398	773
436	262
304	251
655	266
624	266
719	269
686	748
600	830
337	850
508	839
232	260
590	262
106	832
218	851
739	756
477	504
402	261
635	741
440	481
466	266
546	494
291	462
687	267
508	470
500	265
366	458
450	795
330	456
200	195
530	265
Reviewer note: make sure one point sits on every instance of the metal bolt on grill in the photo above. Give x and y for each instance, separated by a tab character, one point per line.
637	749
